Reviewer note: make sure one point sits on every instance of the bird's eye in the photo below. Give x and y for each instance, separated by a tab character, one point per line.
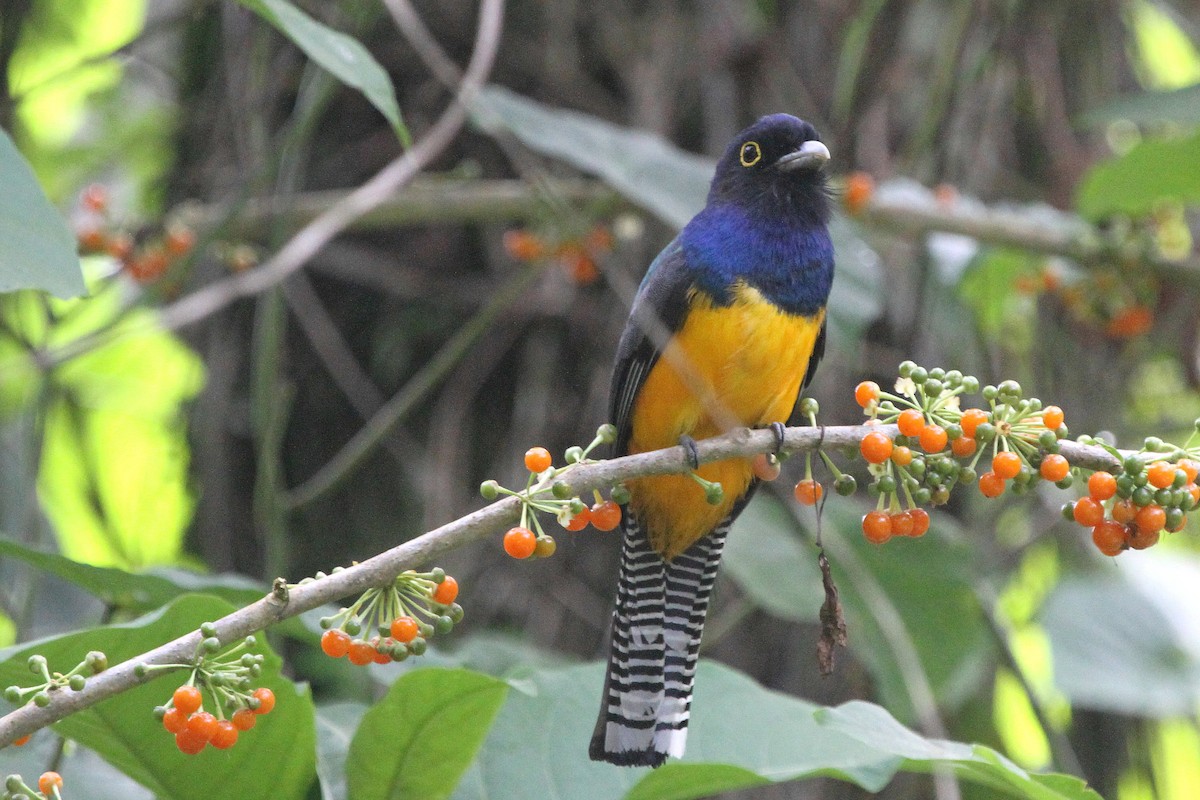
751	154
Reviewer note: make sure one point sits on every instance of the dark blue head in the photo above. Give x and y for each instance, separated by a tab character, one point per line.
775	167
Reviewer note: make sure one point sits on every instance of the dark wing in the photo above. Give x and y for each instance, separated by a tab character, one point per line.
658	312
813	360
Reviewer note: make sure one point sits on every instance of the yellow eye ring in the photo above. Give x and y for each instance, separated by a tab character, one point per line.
751	154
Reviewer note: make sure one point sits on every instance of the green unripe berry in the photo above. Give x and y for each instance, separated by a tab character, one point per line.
1163	497
1141	479
1154	444
417	646
1133	465
938	497
97	662
1067	481
954	431
845	485
906	368
13	694
1010	389
77	682
455	612
1180	479
985	432
489	490
208	629
967	476
37	664
809	406
607	433
714	494
917	468
918	375
1142	496
937	373
922	496
953	378
620	494
561	490
1068	512
1048	441
443	625
970	384
873	489
140	670
574	454
576	506
933	387
353	626
1125	487
41	699
989	393
1174	518
886	484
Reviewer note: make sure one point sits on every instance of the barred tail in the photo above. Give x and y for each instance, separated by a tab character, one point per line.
656	628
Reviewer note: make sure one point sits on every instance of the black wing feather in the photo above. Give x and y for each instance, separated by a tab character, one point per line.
663	296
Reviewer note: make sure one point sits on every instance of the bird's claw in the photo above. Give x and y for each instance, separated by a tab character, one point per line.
690	452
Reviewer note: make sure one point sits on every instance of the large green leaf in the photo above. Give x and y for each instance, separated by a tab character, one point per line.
911	597
875	727
1127	640
741	735
1151	172
342	56
274	760
37	250
669	183
336	724
418	740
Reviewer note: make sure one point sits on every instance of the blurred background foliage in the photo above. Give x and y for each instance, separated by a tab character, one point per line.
214	137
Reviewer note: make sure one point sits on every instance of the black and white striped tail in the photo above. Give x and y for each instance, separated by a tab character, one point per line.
656	628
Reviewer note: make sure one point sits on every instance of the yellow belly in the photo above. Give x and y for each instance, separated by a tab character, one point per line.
744	363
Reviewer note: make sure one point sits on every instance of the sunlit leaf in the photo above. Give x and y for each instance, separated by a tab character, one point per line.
1153	171
37	250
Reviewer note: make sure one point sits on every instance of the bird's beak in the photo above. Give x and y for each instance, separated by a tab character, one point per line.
810	155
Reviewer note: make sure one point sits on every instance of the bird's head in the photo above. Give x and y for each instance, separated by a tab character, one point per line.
776	164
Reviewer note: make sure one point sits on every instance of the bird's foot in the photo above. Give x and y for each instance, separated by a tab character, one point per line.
778	430
689	450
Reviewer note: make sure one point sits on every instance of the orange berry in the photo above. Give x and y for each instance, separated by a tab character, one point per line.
48	782
446	591
226	735
189	742
606	515
523	245
933	438
381	655
971	419
963	446
809	492
911	422
1088	512
360	653
1055	467
92	240
244	719
537	459
859	188
581	267
520	542
179	240
945	195
174	720
266	700
202	724
187	699
1138	539
1190	468
1130	322
766	467
120	246
1102	485
1150	519
148	266
95	198
335	642
1160	474
1006	464
404	629
1123	511
1052	417
1194	491
920	521
580	520
877	527
876	447
599	239
901	456
866	392
991	484
1109	537
902	523
24	740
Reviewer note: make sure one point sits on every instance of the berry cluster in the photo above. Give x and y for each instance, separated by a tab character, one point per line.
545	491
940	445
49	785
227	678
1131	510
575	252
394	622
75	679
98	234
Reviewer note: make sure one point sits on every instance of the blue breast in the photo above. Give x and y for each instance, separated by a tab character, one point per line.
789	261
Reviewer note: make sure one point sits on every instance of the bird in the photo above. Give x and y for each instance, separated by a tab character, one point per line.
726	330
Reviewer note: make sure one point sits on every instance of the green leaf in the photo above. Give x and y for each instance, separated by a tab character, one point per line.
37	250
418	740
1181	106
273	760
336	724
134	591
1153	171
988	288
1125	641
342	56
915	591
875	727
669	183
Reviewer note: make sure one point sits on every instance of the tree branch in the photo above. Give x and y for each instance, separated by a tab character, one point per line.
383	568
